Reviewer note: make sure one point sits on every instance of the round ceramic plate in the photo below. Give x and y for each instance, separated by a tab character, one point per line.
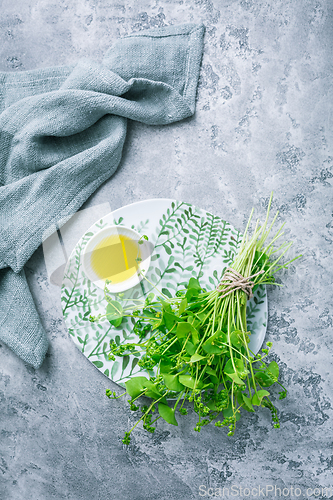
188	241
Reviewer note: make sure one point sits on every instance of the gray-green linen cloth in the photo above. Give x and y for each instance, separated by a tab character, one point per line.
62	132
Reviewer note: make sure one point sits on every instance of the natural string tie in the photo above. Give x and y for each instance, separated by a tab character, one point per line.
232	281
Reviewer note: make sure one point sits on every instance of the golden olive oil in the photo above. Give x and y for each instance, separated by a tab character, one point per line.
114	258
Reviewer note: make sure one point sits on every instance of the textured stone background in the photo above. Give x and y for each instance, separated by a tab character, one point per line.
263	122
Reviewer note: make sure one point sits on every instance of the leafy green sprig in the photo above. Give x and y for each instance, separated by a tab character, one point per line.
195	345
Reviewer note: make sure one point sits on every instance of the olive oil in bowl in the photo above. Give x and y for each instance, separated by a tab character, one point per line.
115	254
116	258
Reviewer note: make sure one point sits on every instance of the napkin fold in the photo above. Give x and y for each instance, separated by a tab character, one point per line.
62	132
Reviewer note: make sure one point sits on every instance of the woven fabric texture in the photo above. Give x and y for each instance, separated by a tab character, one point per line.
62	133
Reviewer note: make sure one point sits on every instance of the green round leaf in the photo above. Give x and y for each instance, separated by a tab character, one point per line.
196	357
236	378
257	398
189	381
210	348
172	382
274	368
183	329
264	378
189	348
247	403
165	366
167	413
229	367
135	386
236	339
152	392
182	306
114	312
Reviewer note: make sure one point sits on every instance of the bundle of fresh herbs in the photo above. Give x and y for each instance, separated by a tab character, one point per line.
195	345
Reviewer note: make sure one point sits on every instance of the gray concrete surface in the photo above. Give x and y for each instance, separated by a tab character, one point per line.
263	122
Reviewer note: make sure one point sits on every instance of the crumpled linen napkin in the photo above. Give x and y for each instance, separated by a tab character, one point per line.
62	132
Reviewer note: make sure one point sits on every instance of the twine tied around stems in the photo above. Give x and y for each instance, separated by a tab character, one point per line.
232	281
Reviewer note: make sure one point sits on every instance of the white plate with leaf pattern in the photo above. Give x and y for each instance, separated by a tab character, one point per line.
188	241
